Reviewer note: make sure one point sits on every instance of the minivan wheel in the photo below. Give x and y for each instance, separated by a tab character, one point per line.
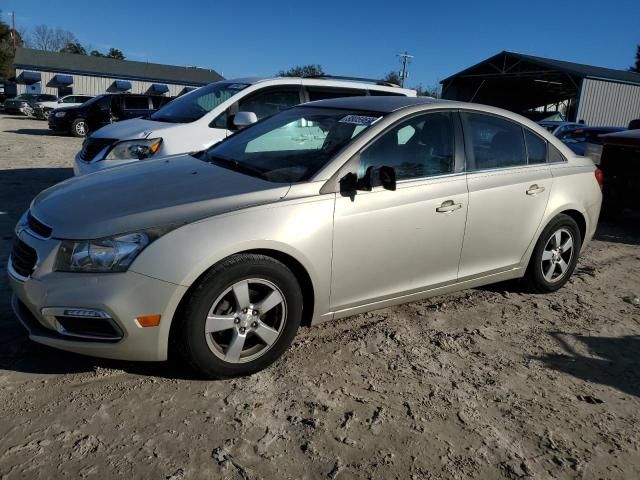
555	255
79	127
241	316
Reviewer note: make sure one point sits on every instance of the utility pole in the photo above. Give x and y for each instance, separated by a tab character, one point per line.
13	29
406	60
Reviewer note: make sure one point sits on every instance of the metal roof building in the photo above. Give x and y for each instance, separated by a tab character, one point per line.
66	73
517	82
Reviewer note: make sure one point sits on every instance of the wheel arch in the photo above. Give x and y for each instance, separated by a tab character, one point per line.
298	269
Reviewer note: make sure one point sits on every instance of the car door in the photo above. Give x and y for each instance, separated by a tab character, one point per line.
393	243
509	184
99	113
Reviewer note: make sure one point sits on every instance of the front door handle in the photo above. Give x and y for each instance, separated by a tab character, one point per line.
448	206
535	190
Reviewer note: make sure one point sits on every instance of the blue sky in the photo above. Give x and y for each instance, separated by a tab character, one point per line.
349	37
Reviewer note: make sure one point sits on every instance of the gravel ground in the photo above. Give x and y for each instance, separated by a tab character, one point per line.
486	383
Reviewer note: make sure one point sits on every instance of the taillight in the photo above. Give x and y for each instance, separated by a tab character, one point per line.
599	177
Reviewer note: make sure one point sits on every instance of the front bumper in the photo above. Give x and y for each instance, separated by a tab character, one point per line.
124	296
80	167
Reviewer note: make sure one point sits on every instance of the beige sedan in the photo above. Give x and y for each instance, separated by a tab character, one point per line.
322	211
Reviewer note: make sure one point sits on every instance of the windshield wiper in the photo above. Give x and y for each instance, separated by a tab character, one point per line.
235	165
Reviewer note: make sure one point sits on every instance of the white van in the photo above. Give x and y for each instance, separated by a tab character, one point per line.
203	117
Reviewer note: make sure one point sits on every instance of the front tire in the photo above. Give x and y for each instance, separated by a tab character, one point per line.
241	317
555	256
79	128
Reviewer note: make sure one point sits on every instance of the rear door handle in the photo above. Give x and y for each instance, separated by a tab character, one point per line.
448	206
535	189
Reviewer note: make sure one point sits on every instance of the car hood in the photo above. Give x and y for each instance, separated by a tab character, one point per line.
67	109
167	191
131	129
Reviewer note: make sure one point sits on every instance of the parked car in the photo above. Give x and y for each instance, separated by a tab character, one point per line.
20	105
42	110
318	212
103	110
207	115
578	138
558	128
618	156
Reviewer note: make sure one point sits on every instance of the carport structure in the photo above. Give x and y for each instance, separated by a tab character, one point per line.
521	83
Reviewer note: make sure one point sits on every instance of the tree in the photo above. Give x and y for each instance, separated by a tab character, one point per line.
636	68
115	53
50	39
310	70
75	48
7	52
432	91
392	77
112	53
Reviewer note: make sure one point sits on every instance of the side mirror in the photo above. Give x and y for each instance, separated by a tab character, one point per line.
387	177
244	119
383	176
373	177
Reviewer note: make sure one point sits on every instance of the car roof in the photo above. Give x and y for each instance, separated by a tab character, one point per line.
344	82
374	103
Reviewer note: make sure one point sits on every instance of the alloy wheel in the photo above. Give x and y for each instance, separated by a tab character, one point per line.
557	255
81	128
246	320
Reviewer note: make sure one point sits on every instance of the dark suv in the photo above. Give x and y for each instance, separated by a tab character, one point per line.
103	110
19	104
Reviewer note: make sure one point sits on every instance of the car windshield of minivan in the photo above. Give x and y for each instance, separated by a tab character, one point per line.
291	146
196	104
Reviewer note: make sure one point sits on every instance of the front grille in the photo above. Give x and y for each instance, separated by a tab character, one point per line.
23	258
92	146
37	227
98	328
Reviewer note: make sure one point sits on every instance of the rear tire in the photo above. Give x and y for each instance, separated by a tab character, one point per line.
79	128
555	256
241	317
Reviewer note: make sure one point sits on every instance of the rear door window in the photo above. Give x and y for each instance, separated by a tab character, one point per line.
494	142
324	93
136	103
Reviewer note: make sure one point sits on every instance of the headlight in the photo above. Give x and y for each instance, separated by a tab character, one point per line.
60	114
105	255
134	149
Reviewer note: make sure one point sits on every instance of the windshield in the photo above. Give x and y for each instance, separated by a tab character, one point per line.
194	105
93	100
293	145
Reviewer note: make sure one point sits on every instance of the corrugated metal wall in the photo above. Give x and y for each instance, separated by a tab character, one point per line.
609	104
94	85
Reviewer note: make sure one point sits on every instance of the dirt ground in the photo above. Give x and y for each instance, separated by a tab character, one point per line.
488	383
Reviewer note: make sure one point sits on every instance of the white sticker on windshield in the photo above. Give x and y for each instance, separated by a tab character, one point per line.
358	119
237	86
